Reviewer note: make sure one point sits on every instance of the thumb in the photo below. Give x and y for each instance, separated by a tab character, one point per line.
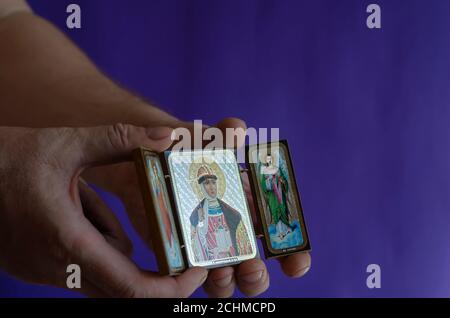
114	143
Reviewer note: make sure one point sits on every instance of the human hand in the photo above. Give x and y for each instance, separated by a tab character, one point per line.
251	276
49	219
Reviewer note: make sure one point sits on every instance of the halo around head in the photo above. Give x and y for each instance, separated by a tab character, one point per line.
274	153
208	163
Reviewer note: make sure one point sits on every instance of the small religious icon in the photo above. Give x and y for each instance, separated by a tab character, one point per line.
160	217
197	209
277	197
210	197
217	228
164	213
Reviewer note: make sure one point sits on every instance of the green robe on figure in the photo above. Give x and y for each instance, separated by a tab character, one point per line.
275	188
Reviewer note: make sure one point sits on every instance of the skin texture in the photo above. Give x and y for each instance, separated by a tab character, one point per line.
63	221
46	81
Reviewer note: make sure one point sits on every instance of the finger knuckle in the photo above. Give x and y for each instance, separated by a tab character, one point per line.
119	135
127	291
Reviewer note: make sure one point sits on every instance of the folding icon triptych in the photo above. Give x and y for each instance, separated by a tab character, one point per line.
198	211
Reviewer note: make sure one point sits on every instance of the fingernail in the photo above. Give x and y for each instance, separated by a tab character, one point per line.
252	278
223	282
202	281
157	133
302	271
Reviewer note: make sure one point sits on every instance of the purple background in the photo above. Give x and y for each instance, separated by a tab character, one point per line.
366	113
